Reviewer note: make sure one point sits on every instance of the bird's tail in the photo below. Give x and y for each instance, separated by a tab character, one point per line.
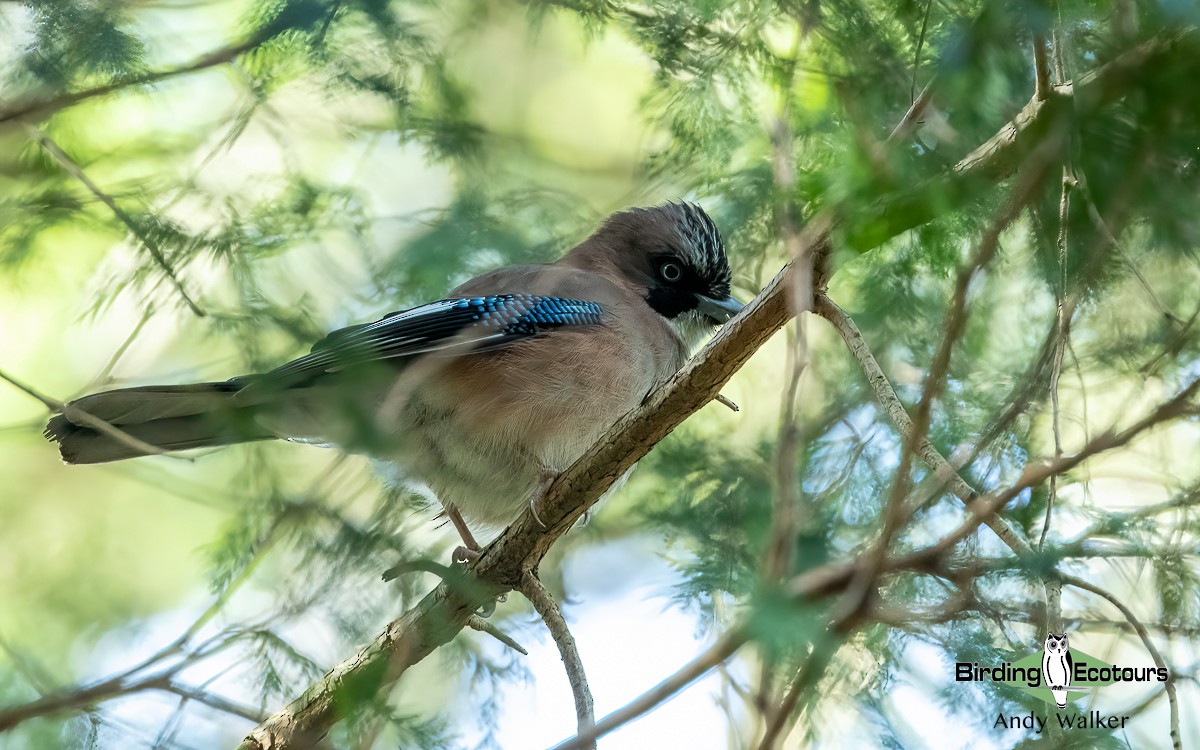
164	417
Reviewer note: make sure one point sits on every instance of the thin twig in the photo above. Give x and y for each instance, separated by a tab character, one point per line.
886	395
547	608
213	701
1176	740
72	167
81	417
917	55
727	402
1061	328
725	647
109	366
895	509
475	622
114	688
806	678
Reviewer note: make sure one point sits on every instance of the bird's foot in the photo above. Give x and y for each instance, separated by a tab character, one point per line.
464	554
546	478
469	549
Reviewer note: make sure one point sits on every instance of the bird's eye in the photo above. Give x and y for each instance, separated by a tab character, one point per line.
670	271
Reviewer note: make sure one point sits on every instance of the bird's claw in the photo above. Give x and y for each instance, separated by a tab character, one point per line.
545	479
533	502
463	554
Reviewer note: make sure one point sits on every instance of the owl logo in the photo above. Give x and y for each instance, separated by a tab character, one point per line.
1057	667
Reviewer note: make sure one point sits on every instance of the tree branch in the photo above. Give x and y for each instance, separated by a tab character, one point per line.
71	167
999	156
475	622
1140	629
1041	68
545	605
886	395
79	416
34	108
115	687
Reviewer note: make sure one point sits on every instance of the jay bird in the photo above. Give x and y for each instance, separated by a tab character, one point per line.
484	396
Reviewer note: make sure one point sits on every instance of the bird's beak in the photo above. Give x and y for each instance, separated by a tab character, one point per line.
719	310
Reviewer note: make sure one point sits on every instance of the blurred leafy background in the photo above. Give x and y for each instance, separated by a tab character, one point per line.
241	177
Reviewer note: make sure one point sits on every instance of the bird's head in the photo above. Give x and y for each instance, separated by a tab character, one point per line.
674	255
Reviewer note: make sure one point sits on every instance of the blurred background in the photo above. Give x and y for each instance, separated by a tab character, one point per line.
192	190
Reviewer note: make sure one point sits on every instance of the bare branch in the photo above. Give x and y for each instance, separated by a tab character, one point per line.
892	406
917	58
475	622
807	676
545	605
80	698
79	416
213	700
1138	627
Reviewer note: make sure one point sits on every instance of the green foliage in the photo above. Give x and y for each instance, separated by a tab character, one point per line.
334	160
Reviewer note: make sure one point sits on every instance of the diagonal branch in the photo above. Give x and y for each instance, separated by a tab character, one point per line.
1001	155
72	167
79	416
119	687
41	107
475	622
942	469
1041	68
544	603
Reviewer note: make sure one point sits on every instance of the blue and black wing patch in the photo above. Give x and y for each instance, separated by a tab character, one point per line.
449	326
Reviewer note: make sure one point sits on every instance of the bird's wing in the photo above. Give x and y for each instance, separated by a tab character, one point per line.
449	326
